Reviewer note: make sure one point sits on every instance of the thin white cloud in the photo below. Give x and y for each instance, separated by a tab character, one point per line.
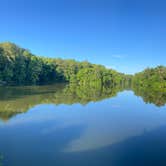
118	56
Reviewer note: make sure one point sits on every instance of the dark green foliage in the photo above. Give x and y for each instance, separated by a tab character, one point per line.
150	84
152	78
19	67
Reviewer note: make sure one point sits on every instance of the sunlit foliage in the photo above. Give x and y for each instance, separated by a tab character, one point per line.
20	67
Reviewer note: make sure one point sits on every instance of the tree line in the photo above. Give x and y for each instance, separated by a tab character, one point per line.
151	78
19	66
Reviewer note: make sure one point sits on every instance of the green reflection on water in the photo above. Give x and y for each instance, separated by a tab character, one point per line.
1	159
15	100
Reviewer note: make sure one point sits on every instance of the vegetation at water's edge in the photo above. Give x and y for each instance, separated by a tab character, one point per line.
151	78
150	84
20	67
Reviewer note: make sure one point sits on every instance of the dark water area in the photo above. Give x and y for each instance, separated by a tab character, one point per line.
66	125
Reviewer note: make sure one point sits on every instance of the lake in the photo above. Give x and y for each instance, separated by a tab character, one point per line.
66	125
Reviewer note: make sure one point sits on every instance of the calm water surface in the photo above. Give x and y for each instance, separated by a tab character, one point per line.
60	126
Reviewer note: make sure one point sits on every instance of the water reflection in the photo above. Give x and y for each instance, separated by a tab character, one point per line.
151	96
15	100
60	125
1	160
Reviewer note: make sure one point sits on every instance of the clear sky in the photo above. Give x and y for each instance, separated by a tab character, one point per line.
127	35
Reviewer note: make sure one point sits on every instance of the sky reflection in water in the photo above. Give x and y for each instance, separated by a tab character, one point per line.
122	130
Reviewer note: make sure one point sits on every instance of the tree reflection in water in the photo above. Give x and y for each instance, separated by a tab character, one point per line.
15	100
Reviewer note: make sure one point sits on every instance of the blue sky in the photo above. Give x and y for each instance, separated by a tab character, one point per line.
127	35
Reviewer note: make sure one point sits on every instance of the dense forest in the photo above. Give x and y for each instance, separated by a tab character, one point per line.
150	84
20	67
152	78
87	82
